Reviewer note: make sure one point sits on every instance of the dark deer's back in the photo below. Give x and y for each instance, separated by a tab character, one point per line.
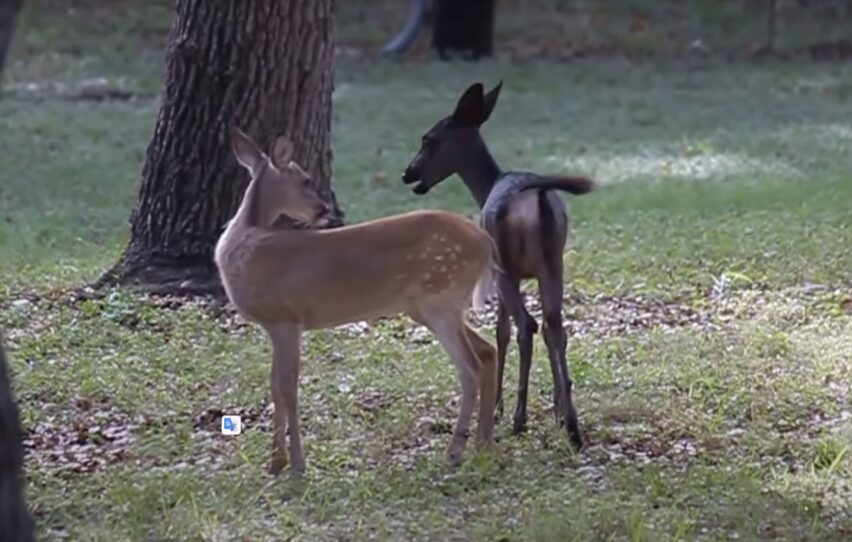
528	224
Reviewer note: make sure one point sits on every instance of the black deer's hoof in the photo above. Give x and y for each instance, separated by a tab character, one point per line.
573	427
520	424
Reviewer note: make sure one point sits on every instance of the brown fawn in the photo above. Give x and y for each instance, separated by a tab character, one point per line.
425	264
529	223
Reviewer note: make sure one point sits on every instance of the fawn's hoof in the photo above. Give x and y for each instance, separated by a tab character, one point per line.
454	457
297	468
485	444
276	465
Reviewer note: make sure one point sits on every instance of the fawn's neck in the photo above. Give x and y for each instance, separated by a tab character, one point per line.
253	211
479	171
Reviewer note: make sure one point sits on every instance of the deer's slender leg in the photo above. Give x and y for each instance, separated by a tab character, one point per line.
504	329
510	294
487	385
285	392
450	331
550	288
279	428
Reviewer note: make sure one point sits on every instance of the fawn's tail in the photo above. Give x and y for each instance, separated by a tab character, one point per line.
487	284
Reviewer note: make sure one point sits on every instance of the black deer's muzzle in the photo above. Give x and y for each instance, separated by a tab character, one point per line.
421	189
410	175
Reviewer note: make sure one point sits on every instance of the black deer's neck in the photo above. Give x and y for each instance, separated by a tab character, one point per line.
479	171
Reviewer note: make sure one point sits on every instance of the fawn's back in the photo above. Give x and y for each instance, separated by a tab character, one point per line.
323	278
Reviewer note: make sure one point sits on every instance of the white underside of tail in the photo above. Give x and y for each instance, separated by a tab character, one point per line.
485	288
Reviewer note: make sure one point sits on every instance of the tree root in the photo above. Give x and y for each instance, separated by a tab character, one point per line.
164	277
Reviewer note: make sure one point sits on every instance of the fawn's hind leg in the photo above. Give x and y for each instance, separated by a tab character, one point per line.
449	328
487	356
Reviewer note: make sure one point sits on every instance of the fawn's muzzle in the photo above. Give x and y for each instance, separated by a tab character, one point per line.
323	210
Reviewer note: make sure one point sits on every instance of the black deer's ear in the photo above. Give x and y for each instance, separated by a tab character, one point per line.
281	152
490	100
246	151
469	111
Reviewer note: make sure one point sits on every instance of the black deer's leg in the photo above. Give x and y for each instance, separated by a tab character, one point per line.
504	328
550	287
553	235
510	294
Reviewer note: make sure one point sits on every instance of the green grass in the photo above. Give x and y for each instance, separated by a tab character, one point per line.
725	204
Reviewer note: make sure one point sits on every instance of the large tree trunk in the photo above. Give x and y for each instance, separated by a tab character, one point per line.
8	13
265	66
464	28
15	520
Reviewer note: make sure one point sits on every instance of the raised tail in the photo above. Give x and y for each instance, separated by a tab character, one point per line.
496	205
512	184
573	185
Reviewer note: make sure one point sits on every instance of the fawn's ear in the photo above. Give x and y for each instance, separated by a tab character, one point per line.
490	100
470	109
281	152
297	168
245	150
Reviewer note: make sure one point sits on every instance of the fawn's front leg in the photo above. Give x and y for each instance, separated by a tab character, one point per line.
285	394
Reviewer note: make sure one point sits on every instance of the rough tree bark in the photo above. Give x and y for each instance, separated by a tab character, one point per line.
771	14
15	520
464	28
265	66
8	13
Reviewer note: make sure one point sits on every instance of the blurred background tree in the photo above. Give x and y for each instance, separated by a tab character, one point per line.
8	13
464	28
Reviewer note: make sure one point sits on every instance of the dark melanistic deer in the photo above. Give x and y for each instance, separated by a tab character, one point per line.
530	228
